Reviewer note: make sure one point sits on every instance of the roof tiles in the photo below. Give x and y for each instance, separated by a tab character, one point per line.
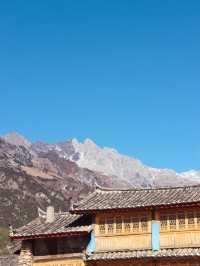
136	254
63	223
103	199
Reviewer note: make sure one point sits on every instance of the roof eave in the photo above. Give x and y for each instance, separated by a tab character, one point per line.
57	235
163	206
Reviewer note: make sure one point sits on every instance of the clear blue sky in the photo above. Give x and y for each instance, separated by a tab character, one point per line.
123	73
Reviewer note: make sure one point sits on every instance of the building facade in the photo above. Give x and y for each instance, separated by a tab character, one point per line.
118	227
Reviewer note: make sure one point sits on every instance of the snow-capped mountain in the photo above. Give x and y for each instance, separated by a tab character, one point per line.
110	162
39	174
107	161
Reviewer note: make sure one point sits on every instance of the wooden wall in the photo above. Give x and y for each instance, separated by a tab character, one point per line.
120	231
125	262
179	239
179	227
123	242
149	262
57	261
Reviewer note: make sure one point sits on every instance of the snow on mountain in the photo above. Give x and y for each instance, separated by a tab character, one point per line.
108	161
192	174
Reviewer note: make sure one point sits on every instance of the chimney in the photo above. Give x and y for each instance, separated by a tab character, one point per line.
71	203
50	215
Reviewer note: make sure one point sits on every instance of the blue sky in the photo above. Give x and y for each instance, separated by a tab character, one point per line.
123	73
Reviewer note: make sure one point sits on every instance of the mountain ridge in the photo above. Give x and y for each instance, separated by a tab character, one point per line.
68	169
36	175
109	161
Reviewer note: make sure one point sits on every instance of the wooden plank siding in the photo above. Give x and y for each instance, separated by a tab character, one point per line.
123	242
58	261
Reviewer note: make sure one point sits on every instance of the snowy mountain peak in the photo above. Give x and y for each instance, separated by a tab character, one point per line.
193	174
74	141
88	141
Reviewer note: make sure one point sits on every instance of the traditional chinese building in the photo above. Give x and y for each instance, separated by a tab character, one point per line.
118	227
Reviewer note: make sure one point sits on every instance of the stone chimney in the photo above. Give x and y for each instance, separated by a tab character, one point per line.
50	214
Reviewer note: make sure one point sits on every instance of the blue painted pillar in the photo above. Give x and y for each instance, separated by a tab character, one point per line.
92	243
155	235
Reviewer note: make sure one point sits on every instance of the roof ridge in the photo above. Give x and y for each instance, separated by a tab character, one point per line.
66	213
105	189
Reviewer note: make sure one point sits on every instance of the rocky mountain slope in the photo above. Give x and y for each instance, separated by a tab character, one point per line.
39	174
106	161
30	179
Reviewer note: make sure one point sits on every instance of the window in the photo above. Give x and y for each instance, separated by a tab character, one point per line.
127	225
110	223
118	224
102	227
163	222
172	221
144	224
190	217
198	219
123	224
135	221
181	220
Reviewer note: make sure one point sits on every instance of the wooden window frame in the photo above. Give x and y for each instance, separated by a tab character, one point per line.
191	220
101	224
110	226
123	224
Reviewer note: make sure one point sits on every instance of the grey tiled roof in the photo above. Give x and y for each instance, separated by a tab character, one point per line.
104	199
176	252
63	223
